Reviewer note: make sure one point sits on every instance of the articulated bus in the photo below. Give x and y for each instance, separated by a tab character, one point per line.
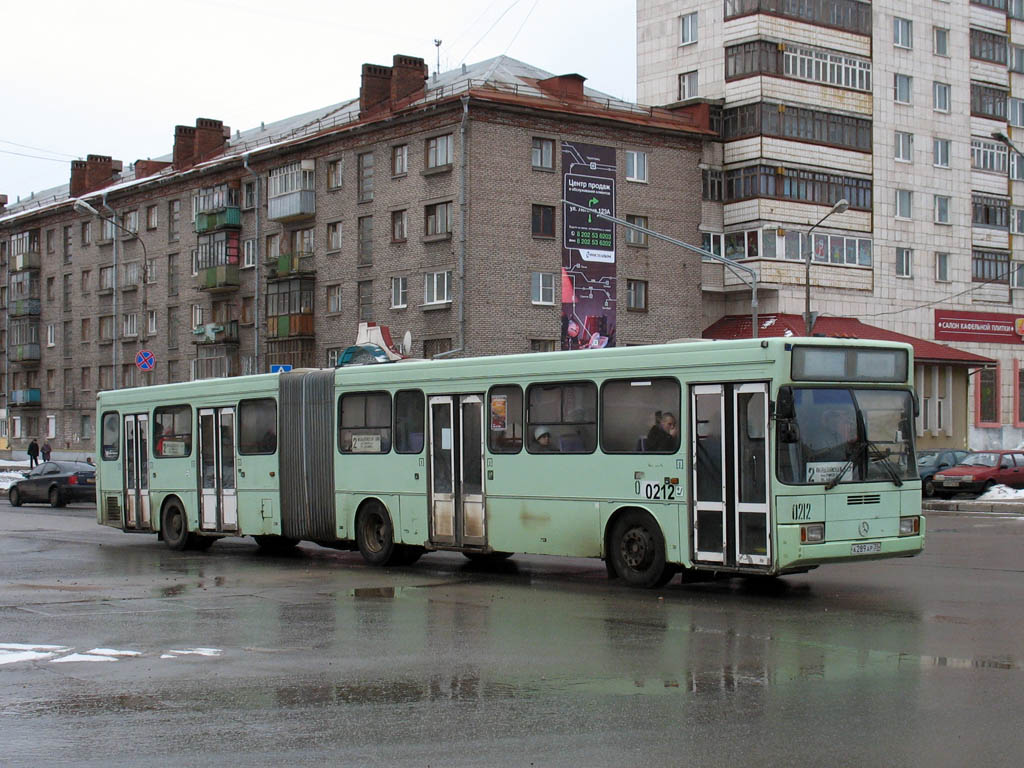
752	457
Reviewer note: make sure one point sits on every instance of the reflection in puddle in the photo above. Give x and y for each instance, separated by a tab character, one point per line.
384	592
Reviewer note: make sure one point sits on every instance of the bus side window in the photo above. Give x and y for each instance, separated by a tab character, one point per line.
111	436
567	413
640	416
257	426
505	430
409	417
172	431
364	423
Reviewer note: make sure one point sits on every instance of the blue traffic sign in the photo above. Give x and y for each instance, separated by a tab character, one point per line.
280	368
145	360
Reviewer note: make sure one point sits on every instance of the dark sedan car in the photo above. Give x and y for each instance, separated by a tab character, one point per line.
930	462
56	483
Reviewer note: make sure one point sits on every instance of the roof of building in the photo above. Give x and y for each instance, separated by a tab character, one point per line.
738	327
499	79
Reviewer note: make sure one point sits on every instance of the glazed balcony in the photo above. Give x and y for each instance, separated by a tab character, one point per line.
289	326
216	333
216	362
24	308
25	261
298	353
290	265
218	279
229	217
292	206
26	398
24	353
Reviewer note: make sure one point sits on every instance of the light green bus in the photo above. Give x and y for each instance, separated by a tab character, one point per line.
750	457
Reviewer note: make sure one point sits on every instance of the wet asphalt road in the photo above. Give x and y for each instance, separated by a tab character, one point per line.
230	657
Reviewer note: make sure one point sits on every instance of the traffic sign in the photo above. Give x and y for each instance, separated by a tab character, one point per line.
280	368
145	360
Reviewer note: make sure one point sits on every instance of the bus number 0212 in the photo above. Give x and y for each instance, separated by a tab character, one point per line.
655	491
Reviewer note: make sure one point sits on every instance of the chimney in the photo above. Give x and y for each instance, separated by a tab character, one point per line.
375	91
3	202
408	74
210	139
100	170
144	168
564	87
77	178
184	146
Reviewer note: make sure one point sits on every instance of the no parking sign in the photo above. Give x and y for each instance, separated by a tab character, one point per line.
145	360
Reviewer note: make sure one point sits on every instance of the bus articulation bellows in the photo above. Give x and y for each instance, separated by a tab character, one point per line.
752	457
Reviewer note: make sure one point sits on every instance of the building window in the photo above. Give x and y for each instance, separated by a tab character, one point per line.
688	85
249	252
987	395
688	28
1015	111
107	328
904	198
940	97
901	85
636	165
365	256
633	237
902	32
86	232
151	322
399	226
987	101
437	287
542	287
249	195
439	151
636	295
438	219
942	209
400	160
847	15
940	153
1016	58
399	292
51	335
904	147
990	267
335	173
364	165
542	154
1016	166
765	57
940	41
332	357
333	298
364	295
904	262
151	217
173	220
334	236
434	347
800	123
106	278
543	221
542	345
796	184
990	212
988	46
86	329
942	267
711	184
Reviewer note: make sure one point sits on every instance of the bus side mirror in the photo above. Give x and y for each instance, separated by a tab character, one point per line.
784	407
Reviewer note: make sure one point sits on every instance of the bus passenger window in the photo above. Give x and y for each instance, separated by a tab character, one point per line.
640	416
110	440
568	413
409	421
505	427
172	431
364	423
257	426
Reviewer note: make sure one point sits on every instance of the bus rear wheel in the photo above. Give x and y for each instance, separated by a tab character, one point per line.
174	527
375	535
638	551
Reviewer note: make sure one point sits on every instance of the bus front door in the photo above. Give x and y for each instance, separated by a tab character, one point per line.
219	510
729	459
136	472
457	508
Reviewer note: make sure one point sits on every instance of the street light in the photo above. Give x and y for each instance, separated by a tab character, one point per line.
839	206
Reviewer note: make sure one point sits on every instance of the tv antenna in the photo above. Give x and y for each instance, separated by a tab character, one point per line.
437	44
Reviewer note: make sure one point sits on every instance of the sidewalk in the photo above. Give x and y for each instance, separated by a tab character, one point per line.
970	506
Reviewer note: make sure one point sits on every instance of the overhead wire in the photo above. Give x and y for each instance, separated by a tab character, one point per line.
38	149
485	34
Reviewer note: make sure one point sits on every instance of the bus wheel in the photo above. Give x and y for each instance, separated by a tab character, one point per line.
275	545
638	551
375	535
174	527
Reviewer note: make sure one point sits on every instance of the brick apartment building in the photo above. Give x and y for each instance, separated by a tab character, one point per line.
430	204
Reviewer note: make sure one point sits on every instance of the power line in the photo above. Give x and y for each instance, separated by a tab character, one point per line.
529	13
485	34
38	149
35	157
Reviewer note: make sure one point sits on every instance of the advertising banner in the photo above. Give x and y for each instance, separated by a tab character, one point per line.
990	327
588	247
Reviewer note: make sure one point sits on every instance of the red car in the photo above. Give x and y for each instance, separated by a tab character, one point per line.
980	471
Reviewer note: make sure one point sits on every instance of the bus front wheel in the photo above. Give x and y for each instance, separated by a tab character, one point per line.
638	551
375	535
174	527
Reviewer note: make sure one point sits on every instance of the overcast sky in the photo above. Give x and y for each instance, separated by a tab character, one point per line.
113	77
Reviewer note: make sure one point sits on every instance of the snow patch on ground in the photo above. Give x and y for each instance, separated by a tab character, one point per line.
11	471
1000	492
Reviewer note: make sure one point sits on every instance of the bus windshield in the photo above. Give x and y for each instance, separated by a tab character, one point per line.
847	435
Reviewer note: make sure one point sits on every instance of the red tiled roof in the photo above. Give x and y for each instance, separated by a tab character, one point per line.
738	327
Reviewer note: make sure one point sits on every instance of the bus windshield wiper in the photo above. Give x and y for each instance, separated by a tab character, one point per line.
858	448
883	457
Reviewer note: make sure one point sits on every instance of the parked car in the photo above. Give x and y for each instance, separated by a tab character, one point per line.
930	462
980	471
56	482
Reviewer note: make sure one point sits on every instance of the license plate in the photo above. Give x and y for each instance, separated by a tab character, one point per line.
90	481
866	549
951	483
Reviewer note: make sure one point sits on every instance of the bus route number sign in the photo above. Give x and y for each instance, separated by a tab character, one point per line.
655	491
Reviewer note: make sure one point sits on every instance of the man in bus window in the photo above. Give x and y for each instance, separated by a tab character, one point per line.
664	435
542	440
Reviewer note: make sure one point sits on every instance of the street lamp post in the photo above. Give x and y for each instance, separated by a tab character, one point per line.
840	206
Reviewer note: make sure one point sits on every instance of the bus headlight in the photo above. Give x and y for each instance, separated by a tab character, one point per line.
812	534
910	526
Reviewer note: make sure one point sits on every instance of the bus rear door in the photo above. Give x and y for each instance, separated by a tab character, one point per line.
136	472
457	502
217	461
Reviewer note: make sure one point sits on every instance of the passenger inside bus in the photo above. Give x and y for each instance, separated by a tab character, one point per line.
542	440
664	435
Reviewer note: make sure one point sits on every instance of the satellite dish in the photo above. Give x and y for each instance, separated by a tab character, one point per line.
407	343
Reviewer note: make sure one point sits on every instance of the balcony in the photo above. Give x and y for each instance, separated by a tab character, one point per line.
24	307
297	354
215	362
23	261
216	333
291	264
24	353
225	218
289	326
292	206
26	398
218	279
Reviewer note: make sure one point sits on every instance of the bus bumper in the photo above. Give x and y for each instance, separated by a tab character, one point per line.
794	555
